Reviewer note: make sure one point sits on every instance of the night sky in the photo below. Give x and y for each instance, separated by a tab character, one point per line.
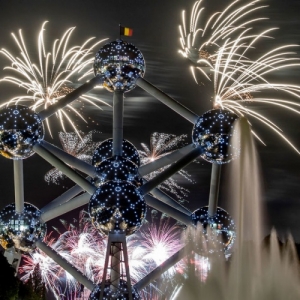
155	24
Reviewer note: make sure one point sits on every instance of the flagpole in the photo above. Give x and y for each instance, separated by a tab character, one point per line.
120	31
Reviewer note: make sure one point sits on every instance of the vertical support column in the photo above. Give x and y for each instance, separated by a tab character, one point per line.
117	257
214	189
118	107
115	271
19	185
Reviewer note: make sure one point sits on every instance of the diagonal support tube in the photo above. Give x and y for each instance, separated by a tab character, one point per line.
65	265
175	258
167	100
19	185
63	198
214	189
165	160
169	210
160	178
157	193
49	213
68	171
70	159
50	110
118	111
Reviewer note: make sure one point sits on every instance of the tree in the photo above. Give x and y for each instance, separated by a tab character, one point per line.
33	288
9	286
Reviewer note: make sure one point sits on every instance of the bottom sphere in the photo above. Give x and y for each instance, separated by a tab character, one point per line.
121	293
219	230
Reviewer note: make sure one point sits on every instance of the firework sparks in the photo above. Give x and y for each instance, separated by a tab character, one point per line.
85	248
161	241
200	44
237	79
51	78
81	146
243	81
162	144
52	274
215	30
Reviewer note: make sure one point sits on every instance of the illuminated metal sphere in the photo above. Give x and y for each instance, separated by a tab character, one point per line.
219	230
21	230
20	129
118	168
213	131
104	151
117	206
120	294
121	63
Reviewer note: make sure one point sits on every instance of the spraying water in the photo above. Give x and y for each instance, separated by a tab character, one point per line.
255	271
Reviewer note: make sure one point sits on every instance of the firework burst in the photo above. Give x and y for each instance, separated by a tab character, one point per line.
51	78
201	43
239	81
156	242
54	277
85	248
81	146
162	144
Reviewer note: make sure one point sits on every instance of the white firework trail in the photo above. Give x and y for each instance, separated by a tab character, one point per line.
201	40
81	146
52	75
162	144
239	81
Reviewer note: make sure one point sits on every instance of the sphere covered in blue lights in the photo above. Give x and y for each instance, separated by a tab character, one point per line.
213	132
121	63
117	206
118	168
20	129
21	230
104	151
219	230
121	293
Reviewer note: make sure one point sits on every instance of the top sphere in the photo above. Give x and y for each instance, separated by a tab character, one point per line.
20	129
121	63
213	131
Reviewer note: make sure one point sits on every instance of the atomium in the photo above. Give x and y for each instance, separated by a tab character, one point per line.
121	63
104	151
213	132
118	168
117	206
120	294
219	229
21	230
20	129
